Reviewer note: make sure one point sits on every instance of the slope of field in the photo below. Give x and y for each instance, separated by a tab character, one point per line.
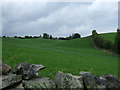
109	36
70	56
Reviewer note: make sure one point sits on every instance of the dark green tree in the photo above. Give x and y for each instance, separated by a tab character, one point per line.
76	35
4	36
50	36
70	37
15	36
94	33
100	41
116	46
40	36
26	36
45	36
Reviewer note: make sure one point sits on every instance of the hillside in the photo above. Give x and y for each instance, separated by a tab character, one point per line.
70	56
109	36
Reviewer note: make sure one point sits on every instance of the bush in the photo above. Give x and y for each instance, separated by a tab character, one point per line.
50	36
116	46
100	41
28	37
62	38
76	35
15	36
45	36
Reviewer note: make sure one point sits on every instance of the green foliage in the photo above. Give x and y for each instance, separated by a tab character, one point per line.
40	36
100	41
76	35
70	37
107	44
94	33
73	36
15	36
51	37
45	36
36	37
28	37
4	36
109	36
116	46
62	38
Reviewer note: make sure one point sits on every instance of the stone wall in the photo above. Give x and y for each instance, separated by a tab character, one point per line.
24	76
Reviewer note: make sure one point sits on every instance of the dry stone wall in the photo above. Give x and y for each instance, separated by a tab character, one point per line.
24	77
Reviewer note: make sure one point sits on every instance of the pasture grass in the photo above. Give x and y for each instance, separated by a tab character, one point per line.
109	36
69	56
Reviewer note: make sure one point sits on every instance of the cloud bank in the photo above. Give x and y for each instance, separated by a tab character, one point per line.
58	18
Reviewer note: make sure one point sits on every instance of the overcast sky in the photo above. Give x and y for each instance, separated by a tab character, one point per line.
58	19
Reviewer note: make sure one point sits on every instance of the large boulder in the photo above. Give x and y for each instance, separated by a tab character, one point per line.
68	81
110	81
27	70
106	81
5	68
10	79
38	83
90	80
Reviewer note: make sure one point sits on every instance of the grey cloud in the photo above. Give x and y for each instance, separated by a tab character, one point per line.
59	19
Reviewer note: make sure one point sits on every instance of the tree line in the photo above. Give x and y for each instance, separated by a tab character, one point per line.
98	40
102	43
48	36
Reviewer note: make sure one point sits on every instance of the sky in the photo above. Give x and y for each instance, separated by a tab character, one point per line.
58	18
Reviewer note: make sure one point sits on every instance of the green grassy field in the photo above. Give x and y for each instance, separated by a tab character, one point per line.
109	36
70	56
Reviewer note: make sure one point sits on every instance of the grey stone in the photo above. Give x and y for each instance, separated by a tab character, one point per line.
5	68
10	79
68	81
110	81
106	81
27	70
89	79
38	83
92	81
17	87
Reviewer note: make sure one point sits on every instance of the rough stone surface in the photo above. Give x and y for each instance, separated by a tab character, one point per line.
25	78
27	70
110	81
90	80
38	83
10	79
20	86
5	68
17	87
68	81
106	81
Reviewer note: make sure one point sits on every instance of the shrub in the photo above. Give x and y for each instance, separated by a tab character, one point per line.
45	36
76	35
116	46
100	41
